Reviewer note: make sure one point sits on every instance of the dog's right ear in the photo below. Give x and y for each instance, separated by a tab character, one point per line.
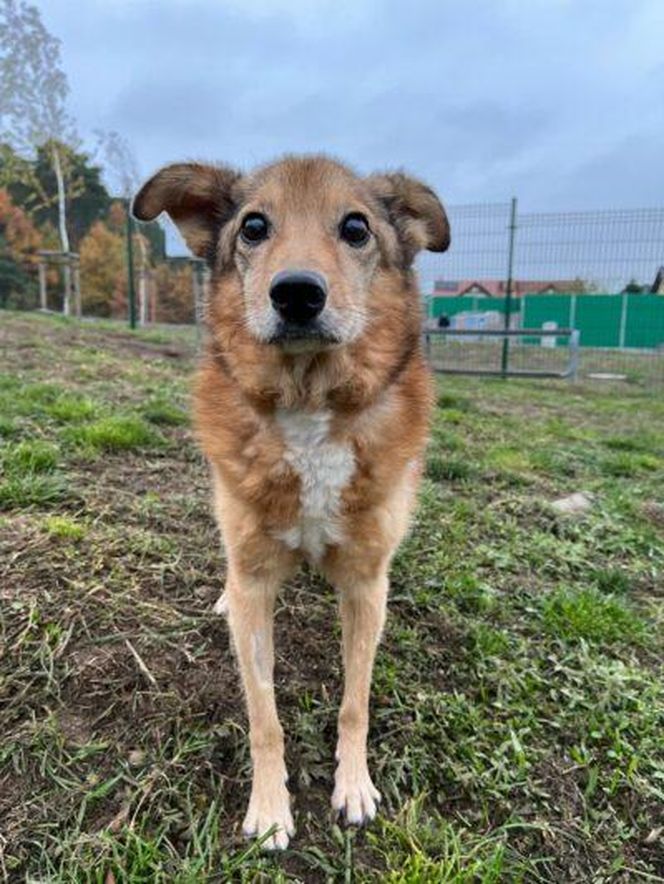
199	198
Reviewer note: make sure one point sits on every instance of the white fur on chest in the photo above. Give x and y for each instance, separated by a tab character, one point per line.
324	469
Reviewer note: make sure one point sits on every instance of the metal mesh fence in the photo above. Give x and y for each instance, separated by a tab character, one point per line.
601	251
599	272
480	243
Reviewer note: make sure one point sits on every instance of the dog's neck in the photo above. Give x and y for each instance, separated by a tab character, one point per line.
346	379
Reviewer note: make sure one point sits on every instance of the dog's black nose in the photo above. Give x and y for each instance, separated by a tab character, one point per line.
298	295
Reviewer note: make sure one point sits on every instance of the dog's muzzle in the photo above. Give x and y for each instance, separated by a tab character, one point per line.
298	296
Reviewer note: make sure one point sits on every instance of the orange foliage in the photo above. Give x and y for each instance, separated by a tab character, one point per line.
117	217
103	272
174	298
22	237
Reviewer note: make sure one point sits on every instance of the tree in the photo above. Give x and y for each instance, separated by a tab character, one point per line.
104	289
174	292
35	189
33	94
19	241
121	161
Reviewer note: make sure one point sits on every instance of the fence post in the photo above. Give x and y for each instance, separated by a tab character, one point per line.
623	321
42	285
508	293
76	273
131	291
574	354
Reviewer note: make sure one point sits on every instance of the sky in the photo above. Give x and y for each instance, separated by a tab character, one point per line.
559	102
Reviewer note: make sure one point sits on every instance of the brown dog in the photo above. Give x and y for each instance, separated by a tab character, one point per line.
312	406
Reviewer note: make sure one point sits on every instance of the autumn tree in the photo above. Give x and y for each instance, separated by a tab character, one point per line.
174	299
19	241
103	273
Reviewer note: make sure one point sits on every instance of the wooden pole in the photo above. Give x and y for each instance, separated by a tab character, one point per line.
42	285
77	287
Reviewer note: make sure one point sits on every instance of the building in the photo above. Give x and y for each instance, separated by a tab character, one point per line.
497	288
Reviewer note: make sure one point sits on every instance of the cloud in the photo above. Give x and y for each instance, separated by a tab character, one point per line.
549	100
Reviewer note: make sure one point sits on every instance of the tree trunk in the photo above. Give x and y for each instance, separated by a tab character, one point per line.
62	227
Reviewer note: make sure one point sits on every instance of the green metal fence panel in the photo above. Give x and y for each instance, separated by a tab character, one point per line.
644	321
598	318
635	321
541	309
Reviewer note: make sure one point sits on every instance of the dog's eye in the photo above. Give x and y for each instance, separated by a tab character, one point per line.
255	228
354	230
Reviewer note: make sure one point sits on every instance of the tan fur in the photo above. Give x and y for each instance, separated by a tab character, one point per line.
374	386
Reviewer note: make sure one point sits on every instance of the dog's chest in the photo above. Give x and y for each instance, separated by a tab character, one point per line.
324	468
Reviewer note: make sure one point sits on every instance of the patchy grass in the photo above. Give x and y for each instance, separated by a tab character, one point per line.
161	411
64	528
32	489
30	457
113	434
517	703
71	409
590	614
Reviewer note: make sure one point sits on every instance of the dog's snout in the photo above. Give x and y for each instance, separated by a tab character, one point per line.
298	296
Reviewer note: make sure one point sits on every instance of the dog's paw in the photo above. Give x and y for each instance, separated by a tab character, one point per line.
354	794
221	605
269	808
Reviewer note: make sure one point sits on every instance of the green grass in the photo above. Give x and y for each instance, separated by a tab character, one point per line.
114	434
30	457
590	614
160	411
64	528
7	426
71	409
518	697
32	490
440	468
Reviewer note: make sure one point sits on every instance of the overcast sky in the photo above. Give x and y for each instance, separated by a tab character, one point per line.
560	102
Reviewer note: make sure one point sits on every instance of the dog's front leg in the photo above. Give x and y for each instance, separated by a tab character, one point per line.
362	616
250	603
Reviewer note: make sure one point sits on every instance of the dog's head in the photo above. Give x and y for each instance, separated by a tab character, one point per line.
300	244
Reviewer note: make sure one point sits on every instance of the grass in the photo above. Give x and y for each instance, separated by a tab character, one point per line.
590	614
518	702
114	434
64	528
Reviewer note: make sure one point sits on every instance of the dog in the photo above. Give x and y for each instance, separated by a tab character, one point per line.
312	406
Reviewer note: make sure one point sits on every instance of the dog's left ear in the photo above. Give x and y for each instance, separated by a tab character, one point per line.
199	199
414	210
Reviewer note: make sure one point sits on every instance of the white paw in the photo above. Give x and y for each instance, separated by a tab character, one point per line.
354	794
269	807
221	605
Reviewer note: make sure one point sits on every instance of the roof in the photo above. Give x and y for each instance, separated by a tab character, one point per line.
497	288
